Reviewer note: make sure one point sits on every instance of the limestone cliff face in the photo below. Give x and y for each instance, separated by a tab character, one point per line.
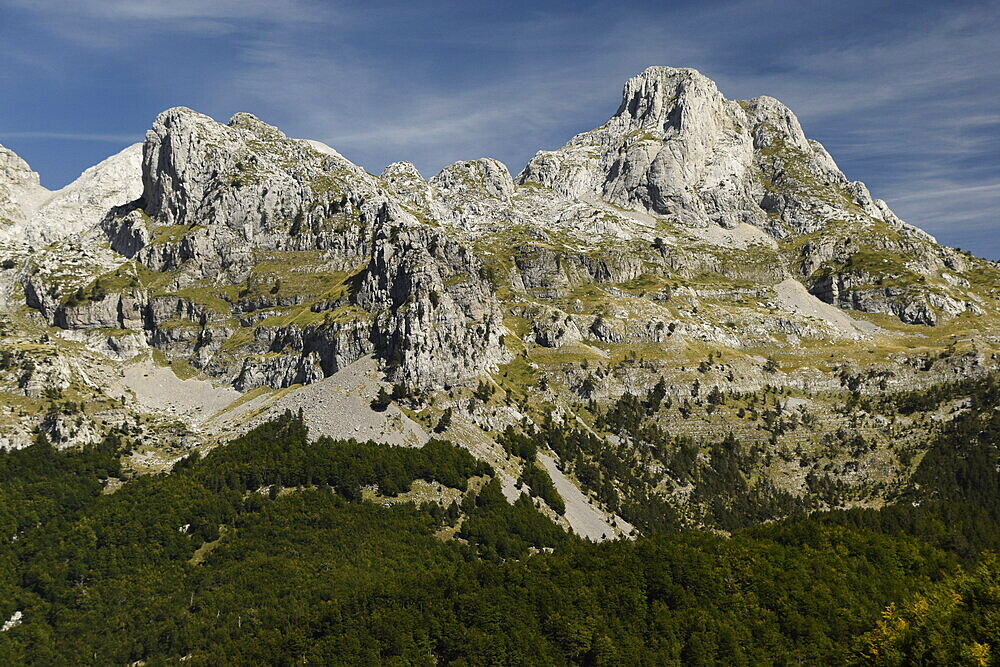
694	248
471	196
82	204
438	319
675	147
213	194
241	204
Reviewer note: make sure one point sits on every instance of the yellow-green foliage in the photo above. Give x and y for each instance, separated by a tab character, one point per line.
166	234
497	250
344	314
518	375
956	622
533	185
876	251
641	134
456	279
129	276
299	316
789	164
305	276
302	274
327	184
204	294
984	275
646	283
168	325
567	354
180	367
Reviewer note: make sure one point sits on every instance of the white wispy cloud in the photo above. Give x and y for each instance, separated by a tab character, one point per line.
952	190
377	113
966	214
123	24
186	13
72	136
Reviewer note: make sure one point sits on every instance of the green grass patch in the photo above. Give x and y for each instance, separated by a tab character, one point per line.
180	367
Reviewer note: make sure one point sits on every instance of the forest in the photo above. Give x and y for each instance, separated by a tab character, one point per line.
266	551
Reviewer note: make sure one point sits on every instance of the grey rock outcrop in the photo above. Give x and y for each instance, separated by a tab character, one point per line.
475	179
675	147
555	328
680	151
438	321
82	204
215	196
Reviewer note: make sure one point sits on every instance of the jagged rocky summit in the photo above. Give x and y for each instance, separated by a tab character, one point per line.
29	213
685	221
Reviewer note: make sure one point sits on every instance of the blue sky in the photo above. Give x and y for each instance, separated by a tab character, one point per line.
905	96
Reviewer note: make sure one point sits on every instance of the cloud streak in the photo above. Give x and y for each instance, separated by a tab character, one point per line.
72	136
184	15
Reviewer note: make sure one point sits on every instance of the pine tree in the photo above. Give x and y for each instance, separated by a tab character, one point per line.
444	423
381	402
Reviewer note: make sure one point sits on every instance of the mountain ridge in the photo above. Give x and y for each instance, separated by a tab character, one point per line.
692	248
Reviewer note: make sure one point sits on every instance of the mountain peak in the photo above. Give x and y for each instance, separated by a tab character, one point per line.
649	98
406	171
175	116
38	216
486	177
250	122
686	225
20	188
14	170
82	204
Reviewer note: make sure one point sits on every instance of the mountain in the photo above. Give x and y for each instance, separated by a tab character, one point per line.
678	392
695	268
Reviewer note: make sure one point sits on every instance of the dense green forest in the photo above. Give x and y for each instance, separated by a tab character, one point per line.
266	552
